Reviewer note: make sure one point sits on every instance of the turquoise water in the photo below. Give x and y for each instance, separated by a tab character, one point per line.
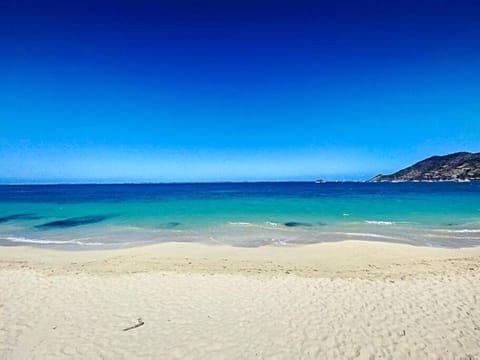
240	214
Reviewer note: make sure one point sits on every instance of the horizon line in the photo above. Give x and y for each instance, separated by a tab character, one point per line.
181	182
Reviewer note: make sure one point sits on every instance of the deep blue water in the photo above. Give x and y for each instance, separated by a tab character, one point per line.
153	192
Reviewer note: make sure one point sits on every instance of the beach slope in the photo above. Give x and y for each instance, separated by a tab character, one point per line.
332	300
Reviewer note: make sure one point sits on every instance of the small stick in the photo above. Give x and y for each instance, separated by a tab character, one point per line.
140	323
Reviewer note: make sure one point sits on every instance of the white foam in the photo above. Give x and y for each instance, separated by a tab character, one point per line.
462	231
278	242
49	242
271	223
450	237
368	235
240	223
379	222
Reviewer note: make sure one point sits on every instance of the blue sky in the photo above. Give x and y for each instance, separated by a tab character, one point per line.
234	90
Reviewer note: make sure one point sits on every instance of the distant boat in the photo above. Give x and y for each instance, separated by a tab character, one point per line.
320	181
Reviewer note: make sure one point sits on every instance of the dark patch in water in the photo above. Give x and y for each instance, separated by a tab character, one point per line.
76	221
172	224
295	224
322	223
450	224
26	216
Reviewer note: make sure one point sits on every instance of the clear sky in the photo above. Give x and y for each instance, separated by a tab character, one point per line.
234	90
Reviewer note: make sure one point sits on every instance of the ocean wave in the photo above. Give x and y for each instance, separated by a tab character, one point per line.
278	242
453	236
374	222
239	223
49	242
460	230
430	236
367	235
272	223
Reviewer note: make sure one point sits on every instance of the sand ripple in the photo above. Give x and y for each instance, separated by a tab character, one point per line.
227	316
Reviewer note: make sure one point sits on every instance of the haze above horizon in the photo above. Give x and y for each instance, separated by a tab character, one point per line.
187	91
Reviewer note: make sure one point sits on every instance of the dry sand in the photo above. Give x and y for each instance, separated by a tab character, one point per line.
335	300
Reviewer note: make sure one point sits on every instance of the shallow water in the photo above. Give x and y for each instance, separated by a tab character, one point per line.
240	214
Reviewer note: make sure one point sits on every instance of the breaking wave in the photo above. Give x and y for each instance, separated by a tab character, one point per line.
374	222
50	242
367	235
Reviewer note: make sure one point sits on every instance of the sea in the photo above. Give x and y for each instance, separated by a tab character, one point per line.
106	216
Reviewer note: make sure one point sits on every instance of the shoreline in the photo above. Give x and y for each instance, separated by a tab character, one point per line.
344	259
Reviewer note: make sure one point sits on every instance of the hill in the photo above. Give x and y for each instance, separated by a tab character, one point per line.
461	166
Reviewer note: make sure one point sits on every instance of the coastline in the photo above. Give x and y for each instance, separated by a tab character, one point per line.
348	300
352	258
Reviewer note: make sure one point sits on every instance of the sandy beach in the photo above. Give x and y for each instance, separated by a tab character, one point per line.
239	180
344	300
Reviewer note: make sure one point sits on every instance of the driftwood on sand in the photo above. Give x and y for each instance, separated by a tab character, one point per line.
140	323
